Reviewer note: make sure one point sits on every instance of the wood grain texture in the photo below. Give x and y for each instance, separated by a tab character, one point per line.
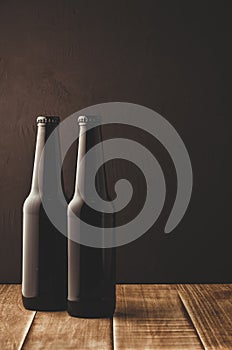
15	321
152	317
57	330
147	317
210	309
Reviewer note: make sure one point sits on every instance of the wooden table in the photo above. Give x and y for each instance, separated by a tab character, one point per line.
147	316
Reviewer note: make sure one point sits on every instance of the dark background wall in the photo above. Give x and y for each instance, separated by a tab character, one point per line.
57	57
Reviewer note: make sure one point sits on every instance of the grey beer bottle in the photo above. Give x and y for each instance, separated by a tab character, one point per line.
91	271
44	272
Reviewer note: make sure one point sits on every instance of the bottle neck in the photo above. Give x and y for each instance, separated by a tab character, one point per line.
47	161
80	171
40	142
87	140
52	163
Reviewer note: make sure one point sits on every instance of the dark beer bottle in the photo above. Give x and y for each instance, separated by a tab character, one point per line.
44	275
91	270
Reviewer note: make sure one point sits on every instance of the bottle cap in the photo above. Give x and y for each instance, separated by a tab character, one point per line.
47	120
82	120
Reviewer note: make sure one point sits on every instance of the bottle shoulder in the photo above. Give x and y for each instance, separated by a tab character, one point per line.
32	203
89	207
76	204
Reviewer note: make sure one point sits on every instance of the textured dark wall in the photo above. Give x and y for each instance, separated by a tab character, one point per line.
57	57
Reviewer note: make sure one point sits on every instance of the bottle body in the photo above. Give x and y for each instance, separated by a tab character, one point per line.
44	280
91	271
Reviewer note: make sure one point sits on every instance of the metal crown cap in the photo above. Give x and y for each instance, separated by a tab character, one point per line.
47	120
82	120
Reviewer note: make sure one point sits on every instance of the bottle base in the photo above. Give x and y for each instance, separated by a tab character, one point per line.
44	304
87	308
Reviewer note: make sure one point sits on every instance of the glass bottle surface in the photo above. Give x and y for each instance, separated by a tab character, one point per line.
44	275
91	271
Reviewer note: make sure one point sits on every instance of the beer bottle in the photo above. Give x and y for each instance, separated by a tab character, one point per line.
91	270
44	275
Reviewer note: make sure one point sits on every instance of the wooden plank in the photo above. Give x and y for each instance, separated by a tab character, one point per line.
58	330
147	317
15	321
152	317
210	309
